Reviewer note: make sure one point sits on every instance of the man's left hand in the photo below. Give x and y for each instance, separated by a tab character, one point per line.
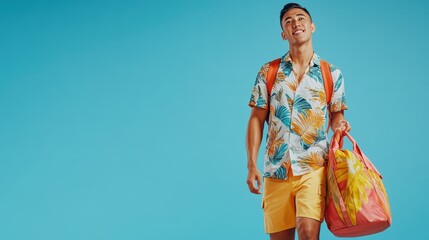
342	126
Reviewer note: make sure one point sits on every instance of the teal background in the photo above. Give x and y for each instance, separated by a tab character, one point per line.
126	119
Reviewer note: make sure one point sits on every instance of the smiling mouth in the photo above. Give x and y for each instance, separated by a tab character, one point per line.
298	32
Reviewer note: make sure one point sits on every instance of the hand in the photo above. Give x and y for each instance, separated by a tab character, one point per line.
342	126
253	175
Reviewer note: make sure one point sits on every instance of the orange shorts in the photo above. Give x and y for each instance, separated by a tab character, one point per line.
297	196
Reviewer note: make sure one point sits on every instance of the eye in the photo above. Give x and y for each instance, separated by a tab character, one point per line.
301	18
288	22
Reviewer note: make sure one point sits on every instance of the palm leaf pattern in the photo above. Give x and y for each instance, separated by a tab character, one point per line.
261	101
289	101
316	74
307	123
280	76
312	160
273	141
351	170
283	114
321	134
292	85
301	104
339	104
277	146
279	152
286	68
304	145
278	95
271	107
318	94
264	70
343	98
338	83
334	192
280	173
257	99
252	101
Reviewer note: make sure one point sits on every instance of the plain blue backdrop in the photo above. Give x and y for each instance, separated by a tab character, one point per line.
126	119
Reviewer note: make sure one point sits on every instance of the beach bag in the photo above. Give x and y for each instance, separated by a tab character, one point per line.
357	202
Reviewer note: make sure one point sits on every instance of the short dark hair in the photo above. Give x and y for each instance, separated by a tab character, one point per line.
288	7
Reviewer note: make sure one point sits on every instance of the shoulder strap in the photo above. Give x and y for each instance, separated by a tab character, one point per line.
327	80
328	83
271	75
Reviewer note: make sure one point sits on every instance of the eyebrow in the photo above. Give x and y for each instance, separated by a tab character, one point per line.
299	14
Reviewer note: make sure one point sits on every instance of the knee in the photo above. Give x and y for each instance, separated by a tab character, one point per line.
308	233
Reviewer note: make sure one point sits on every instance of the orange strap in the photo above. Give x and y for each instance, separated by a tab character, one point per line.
329	88
271	75
327	80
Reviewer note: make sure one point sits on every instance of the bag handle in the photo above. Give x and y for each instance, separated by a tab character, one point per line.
337	143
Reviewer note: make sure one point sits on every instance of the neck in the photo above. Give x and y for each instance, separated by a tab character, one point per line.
302	54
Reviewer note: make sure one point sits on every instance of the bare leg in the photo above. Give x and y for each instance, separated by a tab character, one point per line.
288	234
307	228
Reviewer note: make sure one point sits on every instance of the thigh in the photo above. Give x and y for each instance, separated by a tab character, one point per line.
279	205
310	197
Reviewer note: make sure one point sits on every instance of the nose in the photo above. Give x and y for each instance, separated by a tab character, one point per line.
295	24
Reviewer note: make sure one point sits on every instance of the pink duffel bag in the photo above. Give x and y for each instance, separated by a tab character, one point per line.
357	202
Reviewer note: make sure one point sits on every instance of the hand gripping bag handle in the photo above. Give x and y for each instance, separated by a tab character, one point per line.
337	143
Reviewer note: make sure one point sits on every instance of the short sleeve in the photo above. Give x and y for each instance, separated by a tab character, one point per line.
338	100
259	97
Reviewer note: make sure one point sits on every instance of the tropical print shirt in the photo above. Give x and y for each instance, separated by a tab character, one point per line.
298	117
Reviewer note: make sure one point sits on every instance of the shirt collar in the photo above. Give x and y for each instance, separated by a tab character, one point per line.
315	60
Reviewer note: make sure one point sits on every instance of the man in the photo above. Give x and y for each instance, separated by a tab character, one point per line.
297	144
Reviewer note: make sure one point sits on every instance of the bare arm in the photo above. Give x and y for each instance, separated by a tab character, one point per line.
255	130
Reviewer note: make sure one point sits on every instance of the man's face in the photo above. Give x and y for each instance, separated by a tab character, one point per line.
297	27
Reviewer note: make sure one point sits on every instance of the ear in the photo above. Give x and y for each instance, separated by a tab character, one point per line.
284	37
313	27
